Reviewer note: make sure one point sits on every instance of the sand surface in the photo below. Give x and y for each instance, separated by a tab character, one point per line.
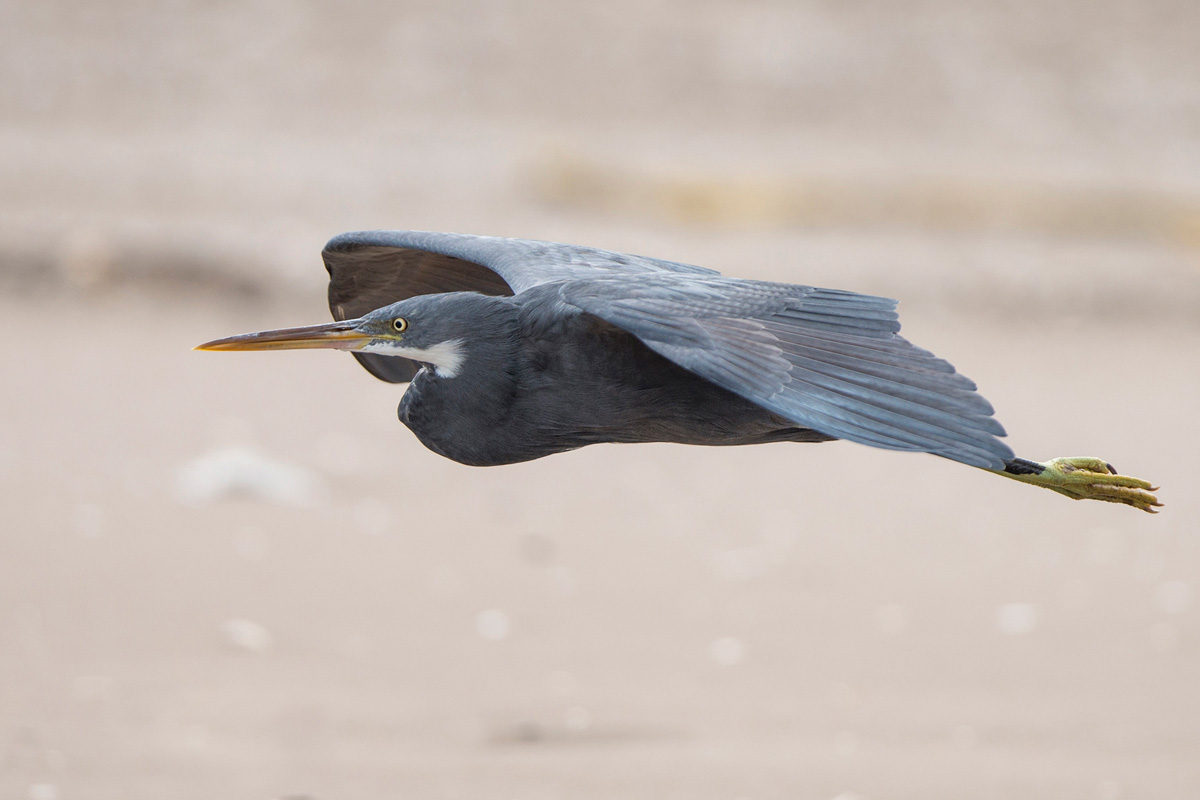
623	621
238	576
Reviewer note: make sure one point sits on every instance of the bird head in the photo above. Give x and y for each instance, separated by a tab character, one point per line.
419	328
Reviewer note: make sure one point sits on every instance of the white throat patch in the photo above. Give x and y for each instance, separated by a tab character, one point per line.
446	357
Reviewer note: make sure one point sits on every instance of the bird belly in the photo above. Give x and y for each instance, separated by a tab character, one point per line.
622	392
656	401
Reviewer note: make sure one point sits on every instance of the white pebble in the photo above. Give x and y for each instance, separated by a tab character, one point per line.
241	471
1015	619
247	635
493	624
43	791
727	651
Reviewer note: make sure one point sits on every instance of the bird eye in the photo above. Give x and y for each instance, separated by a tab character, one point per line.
400	324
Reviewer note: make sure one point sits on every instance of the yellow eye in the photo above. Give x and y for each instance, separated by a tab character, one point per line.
400	324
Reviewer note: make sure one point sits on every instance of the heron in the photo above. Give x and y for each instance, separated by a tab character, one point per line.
516	349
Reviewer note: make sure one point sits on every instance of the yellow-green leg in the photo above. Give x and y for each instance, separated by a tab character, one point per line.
1084	478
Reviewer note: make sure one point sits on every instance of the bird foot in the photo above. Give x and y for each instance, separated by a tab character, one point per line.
1085	478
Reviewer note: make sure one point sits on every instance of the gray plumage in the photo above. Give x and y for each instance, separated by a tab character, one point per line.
565	346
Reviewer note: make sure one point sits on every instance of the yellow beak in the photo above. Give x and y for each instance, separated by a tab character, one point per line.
331	336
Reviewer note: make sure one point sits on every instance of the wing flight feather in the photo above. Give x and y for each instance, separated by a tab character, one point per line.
831	361
827	359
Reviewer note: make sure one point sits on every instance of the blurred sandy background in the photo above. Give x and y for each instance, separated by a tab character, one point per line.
237	576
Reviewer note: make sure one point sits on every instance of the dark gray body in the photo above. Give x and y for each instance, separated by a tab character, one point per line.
561	382
567	346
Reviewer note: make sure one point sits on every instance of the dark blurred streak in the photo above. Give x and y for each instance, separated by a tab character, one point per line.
529	732
158	270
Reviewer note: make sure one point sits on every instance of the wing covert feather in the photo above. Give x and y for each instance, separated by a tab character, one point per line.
829	360
372	269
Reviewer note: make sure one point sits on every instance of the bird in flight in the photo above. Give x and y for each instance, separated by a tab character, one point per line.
516	349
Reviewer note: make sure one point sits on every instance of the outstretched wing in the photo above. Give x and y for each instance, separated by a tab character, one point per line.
829	360
372	269
826	359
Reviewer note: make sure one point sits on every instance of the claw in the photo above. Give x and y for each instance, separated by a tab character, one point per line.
1085	478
